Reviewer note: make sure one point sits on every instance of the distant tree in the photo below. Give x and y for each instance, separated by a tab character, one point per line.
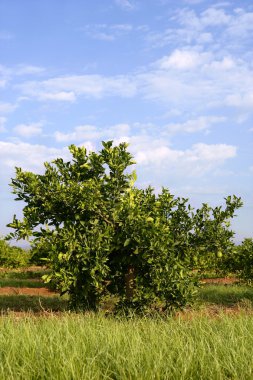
13	257
240	261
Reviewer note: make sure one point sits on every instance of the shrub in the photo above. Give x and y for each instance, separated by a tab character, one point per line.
241	261
102	235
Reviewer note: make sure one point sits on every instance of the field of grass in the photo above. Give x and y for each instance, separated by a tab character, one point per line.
40	339
20	283
22	273
94	347
226	296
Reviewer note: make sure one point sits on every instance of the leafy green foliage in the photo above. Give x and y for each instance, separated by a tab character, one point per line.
101	235
211	241
241	260
145	242
13	257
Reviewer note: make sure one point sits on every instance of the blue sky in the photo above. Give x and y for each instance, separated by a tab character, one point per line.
172	78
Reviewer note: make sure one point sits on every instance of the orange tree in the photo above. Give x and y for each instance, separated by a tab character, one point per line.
104	236
240	261
212	246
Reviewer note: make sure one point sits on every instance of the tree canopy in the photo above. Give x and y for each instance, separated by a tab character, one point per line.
101	235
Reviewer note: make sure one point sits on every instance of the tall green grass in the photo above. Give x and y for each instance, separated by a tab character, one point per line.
94	347
222	295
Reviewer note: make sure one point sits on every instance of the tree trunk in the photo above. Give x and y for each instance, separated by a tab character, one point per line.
130	282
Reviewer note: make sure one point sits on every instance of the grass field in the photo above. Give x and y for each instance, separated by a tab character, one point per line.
39	339
95	347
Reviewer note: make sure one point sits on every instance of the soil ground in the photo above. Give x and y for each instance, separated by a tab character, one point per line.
10	290
208	309
220	280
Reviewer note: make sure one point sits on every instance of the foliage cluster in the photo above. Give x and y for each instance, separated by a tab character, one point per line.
103	236
240	261
13	257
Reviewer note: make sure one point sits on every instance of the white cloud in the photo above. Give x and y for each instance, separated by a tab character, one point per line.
200	189
153	154
226	63
204	38
193	1
228	29
241	25
28	130
91	132
221	4
208	18
82	132
69	87
204	155
186	78
7	107
62	96
4	76
2	123
103	36
107	32
125	5
165	87
182	60
214	17
212	153
159	157
89	146
240	100
3	83
200	79
8	73
28	70
122	27
117	130
202	123
28	156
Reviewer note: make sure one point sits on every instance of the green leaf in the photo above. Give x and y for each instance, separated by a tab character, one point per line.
127	242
